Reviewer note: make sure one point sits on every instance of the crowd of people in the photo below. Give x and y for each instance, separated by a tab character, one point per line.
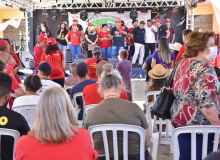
55	134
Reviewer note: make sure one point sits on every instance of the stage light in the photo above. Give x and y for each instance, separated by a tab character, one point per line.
154	10
194	5
174	10
83	15
44	12
74	11
201	1
63	12
133	14
22	9
8	5
97	11
144	10
53	15
120	11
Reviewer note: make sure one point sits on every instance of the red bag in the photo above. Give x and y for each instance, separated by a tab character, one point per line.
55	64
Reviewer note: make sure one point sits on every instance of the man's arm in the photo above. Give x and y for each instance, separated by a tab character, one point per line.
173	38
168	33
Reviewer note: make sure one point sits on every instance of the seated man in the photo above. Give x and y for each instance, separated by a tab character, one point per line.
9	118
44	72
74	79
90	92
82	71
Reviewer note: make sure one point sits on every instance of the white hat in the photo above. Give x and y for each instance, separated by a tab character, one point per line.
176	46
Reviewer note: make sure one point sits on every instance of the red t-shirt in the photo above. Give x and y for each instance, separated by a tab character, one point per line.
105	43
14	86
15	58
215	62
91	95
37	55
91	62
180	54
130	30
75	37
79	147
45	57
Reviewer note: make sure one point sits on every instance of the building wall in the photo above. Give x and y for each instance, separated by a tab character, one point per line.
201	10
8	15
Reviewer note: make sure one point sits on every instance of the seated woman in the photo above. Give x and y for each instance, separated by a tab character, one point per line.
92	62
110	87
55	136
32	84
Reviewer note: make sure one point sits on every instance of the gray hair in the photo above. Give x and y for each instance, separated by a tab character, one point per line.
97	51
73	67
164	51
110	78
55	119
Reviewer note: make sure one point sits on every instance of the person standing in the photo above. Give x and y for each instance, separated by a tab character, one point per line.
39	50
61	34
45	30
163	31
118	32
66	25
172	31
105	42
138	35
151	32
76	41
130	40
92	38
79	26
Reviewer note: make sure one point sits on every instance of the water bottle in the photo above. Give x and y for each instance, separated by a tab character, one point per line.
125	44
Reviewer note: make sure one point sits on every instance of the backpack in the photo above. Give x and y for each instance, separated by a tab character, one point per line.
55	64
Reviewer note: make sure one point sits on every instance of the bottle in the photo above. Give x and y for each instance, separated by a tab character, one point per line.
125	44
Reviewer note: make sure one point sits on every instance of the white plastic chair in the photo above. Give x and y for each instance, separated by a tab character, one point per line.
88	107
28	112
10	132
14	96
152	93
115	128
68	87
193	130
79	122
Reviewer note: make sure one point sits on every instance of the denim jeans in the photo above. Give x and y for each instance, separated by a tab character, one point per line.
75	49
63	49
107	52
115	50
185	145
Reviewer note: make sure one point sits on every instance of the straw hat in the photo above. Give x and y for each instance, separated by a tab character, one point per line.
176	46
158	72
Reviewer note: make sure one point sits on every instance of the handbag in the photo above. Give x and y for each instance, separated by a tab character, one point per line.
165	100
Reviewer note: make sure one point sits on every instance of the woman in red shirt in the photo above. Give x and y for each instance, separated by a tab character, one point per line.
91	62
76	41
55	136
105	42
55	57
16	61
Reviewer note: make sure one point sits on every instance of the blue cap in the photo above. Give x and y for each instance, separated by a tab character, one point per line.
65	22
45	67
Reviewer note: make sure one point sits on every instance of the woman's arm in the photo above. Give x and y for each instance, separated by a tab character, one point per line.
144	67
147	138
153	63
63	64
19	92
97	38
172	64
87	38
212	115
16	69
59	35
67	39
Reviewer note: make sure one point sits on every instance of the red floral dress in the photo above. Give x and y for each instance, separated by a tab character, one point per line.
196	87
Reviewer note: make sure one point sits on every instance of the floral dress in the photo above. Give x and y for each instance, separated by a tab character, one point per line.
195	87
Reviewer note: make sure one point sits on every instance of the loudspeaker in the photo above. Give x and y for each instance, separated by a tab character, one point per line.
68	56
31	32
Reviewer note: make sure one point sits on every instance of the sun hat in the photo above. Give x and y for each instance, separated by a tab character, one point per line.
176	46
158	72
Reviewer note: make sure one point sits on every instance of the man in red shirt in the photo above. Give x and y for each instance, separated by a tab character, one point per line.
182	49
90	92
39	49
130	40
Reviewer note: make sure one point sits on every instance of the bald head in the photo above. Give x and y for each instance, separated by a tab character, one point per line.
99	67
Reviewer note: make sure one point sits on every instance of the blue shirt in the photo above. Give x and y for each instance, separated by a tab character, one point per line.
79	88
139	35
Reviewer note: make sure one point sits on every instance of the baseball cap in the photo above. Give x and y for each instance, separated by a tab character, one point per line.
168	20
45	67
158	20
90	24
3	44
74	24
82	69
65	22
118	21
154	21
42	37
142	22
51	41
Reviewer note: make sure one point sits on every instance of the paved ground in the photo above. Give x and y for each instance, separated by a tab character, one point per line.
164	153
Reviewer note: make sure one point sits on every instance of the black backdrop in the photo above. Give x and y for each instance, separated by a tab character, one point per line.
178	22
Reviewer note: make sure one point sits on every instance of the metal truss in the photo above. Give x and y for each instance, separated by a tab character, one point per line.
20	3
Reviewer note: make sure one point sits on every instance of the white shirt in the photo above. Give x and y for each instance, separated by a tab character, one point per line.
149	35
46	83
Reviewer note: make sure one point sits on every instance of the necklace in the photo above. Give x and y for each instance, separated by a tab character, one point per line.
111	95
